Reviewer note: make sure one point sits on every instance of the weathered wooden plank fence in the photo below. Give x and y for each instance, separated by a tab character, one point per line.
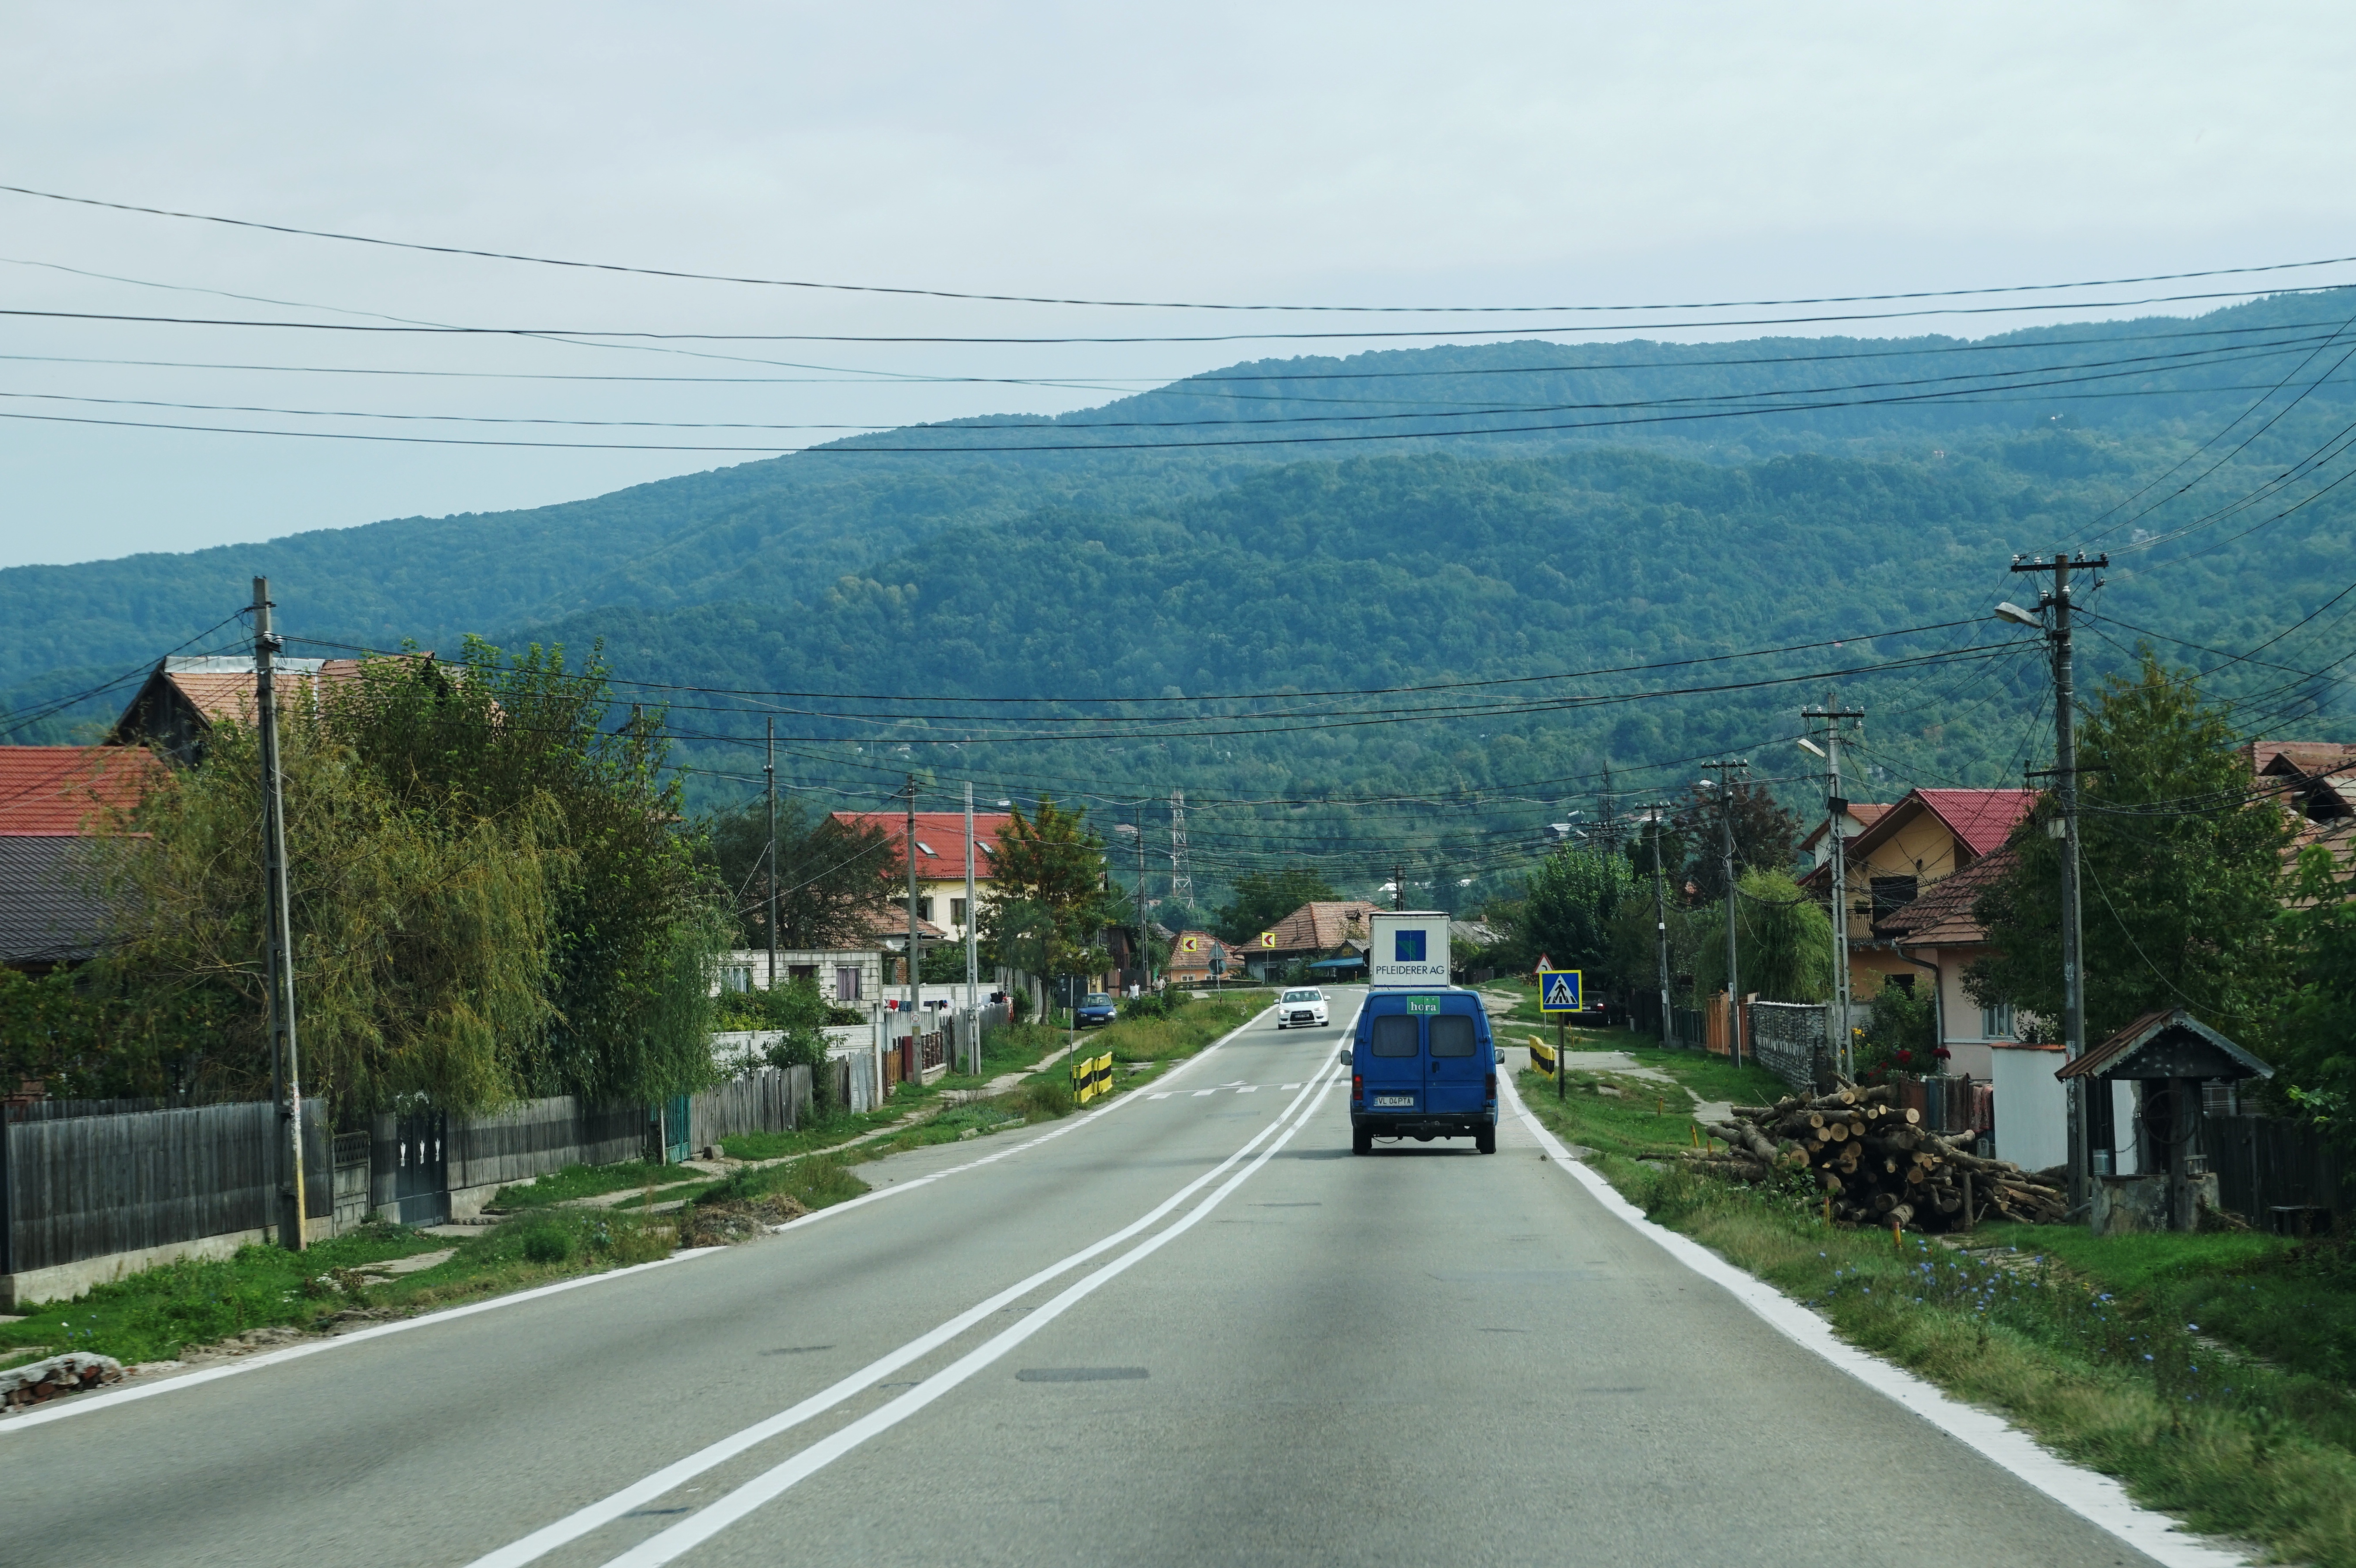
95	1186
2277	1173
75	1189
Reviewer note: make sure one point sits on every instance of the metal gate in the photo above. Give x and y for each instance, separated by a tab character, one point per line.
421	1186
674	1133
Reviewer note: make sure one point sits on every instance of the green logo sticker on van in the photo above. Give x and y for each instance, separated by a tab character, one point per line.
1423	1003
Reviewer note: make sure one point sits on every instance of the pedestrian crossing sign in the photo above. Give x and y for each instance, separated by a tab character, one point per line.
1561	991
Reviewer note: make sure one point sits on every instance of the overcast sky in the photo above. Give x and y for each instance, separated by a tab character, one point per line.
1500	154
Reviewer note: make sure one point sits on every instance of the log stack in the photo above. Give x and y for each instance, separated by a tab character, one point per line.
1874	1164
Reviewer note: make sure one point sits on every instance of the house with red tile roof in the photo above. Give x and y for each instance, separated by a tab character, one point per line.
940	860
56	804
1913	872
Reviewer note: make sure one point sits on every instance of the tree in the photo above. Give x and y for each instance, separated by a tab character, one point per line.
634	927
2318	1019
1050	901
1567	910
2180	873
1261	898
1765	837
831	877
423	942
1783	940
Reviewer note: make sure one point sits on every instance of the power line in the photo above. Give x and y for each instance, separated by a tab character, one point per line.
681	275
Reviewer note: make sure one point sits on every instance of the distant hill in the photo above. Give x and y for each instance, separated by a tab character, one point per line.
1395	518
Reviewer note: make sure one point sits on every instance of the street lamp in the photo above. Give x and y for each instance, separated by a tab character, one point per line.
2009	611
1811	747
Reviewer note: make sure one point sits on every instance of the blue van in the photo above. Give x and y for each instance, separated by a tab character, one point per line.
1423	1066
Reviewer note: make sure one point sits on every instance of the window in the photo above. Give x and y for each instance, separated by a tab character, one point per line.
736	977
846	982
1452	1035
956	913
1891	894
924	908
1395	1036
1996	1022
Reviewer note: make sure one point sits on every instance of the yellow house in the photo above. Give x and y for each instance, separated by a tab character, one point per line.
1913	870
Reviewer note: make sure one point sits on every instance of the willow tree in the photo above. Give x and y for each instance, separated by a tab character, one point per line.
420	944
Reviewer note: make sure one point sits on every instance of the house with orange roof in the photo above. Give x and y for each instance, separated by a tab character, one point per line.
1321	929
1913	871
56	804
184	697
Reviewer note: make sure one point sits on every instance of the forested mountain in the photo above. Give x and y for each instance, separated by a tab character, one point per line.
1280	527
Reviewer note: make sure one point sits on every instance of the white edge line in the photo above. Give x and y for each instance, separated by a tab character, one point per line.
2097	1499
83	1404
684	1536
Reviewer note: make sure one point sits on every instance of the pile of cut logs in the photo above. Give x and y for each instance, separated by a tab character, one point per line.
1875	1164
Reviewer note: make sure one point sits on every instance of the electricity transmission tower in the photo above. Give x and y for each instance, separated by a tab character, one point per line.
1181	880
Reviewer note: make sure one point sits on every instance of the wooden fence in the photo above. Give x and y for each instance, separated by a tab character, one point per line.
2278	1174
538	1136
773	1100
88	1186
73	1188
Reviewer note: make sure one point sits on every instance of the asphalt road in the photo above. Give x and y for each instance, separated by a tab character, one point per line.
1276	1353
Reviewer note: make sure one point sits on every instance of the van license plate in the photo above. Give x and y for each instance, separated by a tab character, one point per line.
1406	1100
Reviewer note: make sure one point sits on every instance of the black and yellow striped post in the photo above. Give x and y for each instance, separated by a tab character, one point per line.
1092	1078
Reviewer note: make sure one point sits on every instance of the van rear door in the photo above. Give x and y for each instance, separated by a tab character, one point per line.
1392	1064
1457	1075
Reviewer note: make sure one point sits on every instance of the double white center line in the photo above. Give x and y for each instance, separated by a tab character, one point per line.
668	1544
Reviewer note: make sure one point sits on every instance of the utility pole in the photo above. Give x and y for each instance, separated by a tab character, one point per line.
972	943
772	771
1726	771
915	954
2065	771
1661	919
1398	887
278	920
1835	813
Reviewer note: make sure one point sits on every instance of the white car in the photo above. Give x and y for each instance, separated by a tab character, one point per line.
1304	1008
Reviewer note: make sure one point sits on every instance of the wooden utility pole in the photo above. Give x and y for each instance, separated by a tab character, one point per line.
1398	887
772	770
278	920
1661	919
1726	771
2065	779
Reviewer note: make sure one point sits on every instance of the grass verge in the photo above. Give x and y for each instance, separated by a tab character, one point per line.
576	1181
157	1314
2083	1342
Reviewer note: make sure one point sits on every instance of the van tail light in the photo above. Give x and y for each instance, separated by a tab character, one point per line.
1358	1085
1493	1085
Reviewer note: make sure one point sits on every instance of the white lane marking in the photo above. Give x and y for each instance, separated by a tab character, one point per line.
1163	1095
1292	1085
698	1527
1200	1093
2097	1499
1249	1089
1070	1124
83	1404
580	1522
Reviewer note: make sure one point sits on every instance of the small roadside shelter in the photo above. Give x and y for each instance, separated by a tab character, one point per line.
2170	1054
